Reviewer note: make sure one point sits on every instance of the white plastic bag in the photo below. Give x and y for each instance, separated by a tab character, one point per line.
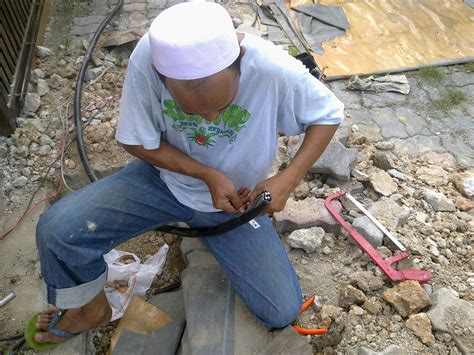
127	277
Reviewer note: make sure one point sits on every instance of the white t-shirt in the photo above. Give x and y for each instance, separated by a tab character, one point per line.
276	94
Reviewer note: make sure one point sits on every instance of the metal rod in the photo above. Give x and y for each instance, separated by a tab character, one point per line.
7	299
376	222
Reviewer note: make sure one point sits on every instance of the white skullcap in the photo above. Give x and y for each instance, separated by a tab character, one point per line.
193	40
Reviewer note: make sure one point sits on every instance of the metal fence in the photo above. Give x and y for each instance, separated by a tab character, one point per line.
19	23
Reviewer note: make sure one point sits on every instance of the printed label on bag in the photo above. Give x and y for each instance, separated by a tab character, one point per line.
254	224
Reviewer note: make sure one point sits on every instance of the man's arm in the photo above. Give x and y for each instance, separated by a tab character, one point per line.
222	189
282	185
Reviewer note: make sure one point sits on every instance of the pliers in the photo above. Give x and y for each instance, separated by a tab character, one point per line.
309	331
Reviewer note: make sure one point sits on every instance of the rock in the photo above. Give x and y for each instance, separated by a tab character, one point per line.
45	140
37	74
44	150
328	314
390	350
307	213
384	160
3	149
407	297
389	213
43	87
56	82
368	230
433	175
307	239
382	182
94	73
20	181
461	203
373	306
43	52
359	175
440	159
350	295
337	161
366	281
464	182
32	103
398	175
420	324
384	145
454	316
26	172
438	201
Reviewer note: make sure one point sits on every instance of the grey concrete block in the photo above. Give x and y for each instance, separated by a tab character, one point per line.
166	340
130	343
171	303
190	244
288	341
201	258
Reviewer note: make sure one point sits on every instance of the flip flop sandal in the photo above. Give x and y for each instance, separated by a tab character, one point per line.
31	330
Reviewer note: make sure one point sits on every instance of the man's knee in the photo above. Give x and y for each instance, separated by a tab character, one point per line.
281	314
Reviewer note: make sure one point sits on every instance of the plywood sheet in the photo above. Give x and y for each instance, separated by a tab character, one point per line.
388	35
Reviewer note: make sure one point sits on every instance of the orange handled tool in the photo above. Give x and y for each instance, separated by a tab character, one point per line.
309	331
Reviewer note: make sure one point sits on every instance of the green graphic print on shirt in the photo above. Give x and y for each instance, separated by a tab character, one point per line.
227	125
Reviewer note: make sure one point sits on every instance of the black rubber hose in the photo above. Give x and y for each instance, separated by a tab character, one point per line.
255	209
78	93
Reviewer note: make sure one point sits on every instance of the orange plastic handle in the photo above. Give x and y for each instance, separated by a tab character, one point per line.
307	331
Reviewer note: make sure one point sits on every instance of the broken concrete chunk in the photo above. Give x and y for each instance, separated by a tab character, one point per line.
420	324
373	306
307	239
32	103
368	230
389	213
43	52
465	183
433	175
351	295
337	161
398	175
390	350
307	213
382	182
438	201
366	281
407	297
454	316
384	160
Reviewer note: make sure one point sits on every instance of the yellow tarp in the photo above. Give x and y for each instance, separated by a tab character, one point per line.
388	35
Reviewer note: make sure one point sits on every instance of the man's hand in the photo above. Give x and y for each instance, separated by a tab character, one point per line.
280	187
223	193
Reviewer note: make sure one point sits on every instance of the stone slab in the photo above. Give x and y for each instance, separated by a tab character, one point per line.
166	340
171	303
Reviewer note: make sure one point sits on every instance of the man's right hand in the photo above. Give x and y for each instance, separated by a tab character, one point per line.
223	193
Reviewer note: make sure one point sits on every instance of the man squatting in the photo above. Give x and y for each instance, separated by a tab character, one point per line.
202	108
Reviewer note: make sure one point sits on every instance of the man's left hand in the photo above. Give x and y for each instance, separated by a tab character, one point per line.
280	188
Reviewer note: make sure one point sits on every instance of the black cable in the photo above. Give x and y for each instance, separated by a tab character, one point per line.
78	93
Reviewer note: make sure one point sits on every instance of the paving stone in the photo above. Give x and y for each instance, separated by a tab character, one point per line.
389	213
337	161
171	303
368	230
287	341
455	316
382	182
438	201
464	182
307	213
415	123
389	123
191	244
351	99
417	145
209	304
166	339
407	297
458	145
307	239
130	343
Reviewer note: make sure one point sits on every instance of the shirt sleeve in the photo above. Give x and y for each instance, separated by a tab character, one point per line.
140	120
308	102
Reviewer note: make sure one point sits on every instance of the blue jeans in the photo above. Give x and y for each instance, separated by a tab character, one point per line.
74	234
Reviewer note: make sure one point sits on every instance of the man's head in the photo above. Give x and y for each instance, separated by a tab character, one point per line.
197	54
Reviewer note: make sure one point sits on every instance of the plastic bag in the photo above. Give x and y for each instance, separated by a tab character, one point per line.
127	277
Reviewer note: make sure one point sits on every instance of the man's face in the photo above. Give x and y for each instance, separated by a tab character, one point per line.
208	99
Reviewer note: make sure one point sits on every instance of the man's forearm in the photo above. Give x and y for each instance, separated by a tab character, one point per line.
315	142
168	157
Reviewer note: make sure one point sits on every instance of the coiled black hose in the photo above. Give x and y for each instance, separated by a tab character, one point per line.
78	93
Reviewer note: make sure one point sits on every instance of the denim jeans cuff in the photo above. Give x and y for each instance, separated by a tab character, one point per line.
77	296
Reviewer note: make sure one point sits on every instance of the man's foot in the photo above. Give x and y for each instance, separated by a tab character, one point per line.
92	315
